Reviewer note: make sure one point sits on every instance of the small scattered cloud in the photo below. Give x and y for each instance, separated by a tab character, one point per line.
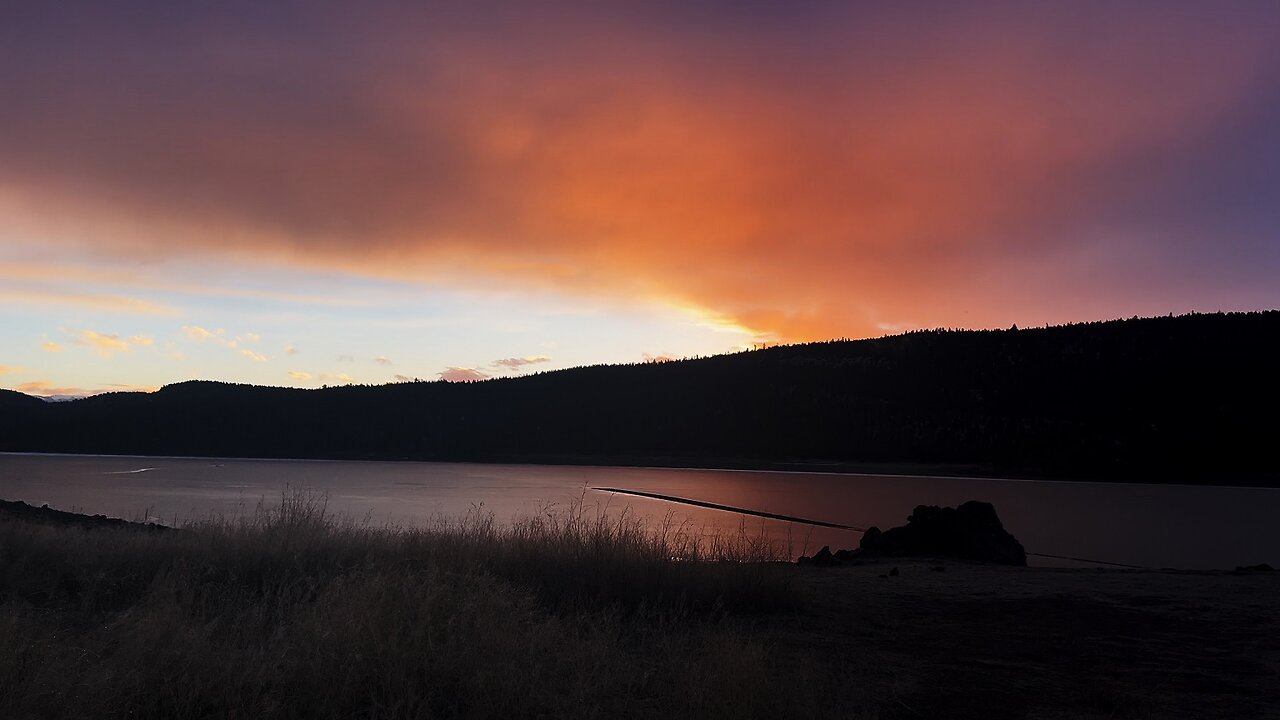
7	369
290	350
382	360
219	337
104	344
516	364
303	376
462	374
199	334
405	379
340	378
657	358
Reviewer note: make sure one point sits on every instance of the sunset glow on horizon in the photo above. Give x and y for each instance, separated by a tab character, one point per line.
310	193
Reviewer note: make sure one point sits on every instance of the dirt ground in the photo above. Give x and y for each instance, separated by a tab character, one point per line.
981	641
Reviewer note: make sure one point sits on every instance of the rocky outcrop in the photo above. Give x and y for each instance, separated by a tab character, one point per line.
972	531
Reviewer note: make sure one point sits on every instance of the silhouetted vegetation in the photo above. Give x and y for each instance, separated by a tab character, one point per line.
16	402
291	612
1189	398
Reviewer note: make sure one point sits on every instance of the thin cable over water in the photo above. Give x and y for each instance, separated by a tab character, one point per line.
729	508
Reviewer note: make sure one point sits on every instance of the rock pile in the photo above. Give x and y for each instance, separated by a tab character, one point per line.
971	532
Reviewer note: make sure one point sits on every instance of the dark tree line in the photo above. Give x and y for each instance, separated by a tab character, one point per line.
1191	398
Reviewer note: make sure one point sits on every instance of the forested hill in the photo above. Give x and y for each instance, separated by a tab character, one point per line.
16	402
1192	398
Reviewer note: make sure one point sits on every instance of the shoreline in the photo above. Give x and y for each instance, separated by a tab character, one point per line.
43	514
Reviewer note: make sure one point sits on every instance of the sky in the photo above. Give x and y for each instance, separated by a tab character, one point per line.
318	193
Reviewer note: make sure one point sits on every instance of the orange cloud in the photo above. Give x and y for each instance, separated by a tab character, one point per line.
8	369
44	388
51	346
104	344
340	378
254	356
850	169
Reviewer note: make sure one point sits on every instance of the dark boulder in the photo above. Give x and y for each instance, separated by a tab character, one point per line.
872	540
972	531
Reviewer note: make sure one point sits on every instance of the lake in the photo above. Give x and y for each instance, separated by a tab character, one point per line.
1182	526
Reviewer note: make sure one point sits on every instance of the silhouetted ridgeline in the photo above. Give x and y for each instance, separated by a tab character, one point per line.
1192	398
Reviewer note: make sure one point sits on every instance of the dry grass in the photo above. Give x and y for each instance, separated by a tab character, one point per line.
293	612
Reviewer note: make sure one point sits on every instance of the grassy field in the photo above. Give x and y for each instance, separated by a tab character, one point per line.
292	612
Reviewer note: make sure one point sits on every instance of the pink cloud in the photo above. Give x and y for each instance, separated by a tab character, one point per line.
462	374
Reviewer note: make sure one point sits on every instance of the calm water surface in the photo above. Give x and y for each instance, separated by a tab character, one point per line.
1151	525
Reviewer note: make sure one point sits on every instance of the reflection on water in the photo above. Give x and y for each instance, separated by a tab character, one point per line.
1152	525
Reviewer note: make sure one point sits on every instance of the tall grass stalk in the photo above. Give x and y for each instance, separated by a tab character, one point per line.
293	611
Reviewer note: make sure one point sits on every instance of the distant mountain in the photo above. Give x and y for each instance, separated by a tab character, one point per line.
1192	398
